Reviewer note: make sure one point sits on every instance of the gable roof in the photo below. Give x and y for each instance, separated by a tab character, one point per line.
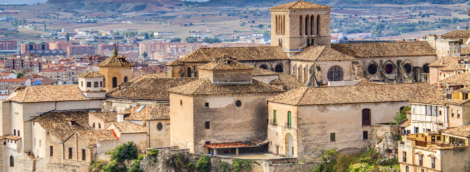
56	122
433	96
206	55
350	94
300	5
205	87
450	63
47	93
91	137
224	62
150	88
386	49
457	34
128	127
148	112
105	116
459	79
322	53
462	131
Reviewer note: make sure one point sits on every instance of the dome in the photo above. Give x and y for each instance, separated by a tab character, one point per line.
342	38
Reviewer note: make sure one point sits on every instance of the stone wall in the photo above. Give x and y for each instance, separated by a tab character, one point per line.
162	164
383	138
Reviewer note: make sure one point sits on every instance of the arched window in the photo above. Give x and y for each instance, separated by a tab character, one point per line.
306	25
99	125
188	72
312	25
300	22
12	161
366	117
125	79
277	25
274	117
335	73
14	132
278	68
426	68
289	119
407	67
263	67
94	125
318	25
114	82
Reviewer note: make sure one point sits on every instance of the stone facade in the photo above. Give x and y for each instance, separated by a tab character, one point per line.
114	76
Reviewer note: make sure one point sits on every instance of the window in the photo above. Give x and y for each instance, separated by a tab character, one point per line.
94	125
365	135
372	68
238	103
438	137
99	125
335	73
101	83
125	79
416	129
300	28
83	154
440	112
39	142
404	156
159	126
81	83
206	105
332	137
14	132
421	160
452	112
407	169
388	68
19	133
181	102
289	119
114	82
433	162
366	117
88	84
458	113
12	161
70	153
52	150
274	116
208	125
95	85
465	96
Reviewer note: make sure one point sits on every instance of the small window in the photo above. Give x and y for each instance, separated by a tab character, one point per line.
99	125
365	135
95	84
12	161
14	132
208	142
181	102
206	105
94	125
433	162
101	83
458	113
332	137
159	126
421	160
19	133
404	156
208	125
440	112
70	153
238	103
83	154
438	137
81	83
52	150
88	84
452	112
72	122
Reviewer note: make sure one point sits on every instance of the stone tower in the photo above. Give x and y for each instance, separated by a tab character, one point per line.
116	70
297	25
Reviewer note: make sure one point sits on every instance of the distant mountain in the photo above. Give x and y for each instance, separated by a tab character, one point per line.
22	1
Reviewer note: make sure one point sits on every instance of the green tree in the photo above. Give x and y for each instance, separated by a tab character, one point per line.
145	54
327	156
204	163
19	75
146	35
126	151
113	167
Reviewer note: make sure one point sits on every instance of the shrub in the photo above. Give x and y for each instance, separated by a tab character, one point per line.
222	166
97	165
204	163
113	167
239	164
126	151
153	153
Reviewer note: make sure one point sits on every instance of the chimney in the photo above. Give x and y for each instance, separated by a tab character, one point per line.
120	117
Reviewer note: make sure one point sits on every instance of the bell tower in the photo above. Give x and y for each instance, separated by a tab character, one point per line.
116	70
299	24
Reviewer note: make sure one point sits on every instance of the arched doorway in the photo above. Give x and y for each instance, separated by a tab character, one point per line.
289	145
114	82
278	69
188	72
125	79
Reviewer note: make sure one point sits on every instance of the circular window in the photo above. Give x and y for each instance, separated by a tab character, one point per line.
388	68
426	68
372	69
238	103
335	73
159	126
407	67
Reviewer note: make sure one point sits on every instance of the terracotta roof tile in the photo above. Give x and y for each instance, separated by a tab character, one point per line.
462	131
300	5
350	94
238	53
90	74
45	93
129	127
459	79
205	87
465	50
262	72
386	49
148	112
289	82
457	34
433	95
91	137
224	62
105	116
152	88
322	53
116	61
57	122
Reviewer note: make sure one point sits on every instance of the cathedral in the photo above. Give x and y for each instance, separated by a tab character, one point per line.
301	47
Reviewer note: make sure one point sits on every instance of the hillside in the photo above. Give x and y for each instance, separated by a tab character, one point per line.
168	5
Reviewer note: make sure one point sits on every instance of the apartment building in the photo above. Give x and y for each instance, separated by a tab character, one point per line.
62	75
80	50
110	47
